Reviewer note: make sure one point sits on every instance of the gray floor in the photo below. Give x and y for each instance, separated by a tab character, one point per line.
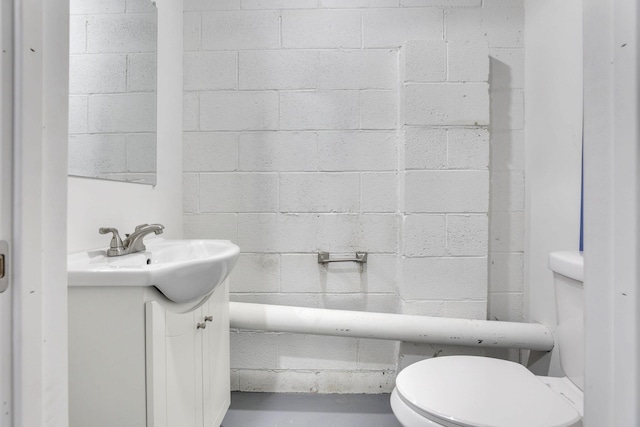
309	410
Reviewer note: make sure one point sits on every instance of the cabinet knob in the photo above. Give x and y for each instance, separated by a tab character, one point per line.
208	318
201	326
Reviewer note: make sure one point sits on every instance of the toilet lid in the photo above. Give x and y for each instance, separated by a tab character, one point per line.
473	391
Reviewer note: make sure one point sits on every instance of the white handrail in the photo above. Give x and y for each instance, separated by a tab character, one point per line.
385	326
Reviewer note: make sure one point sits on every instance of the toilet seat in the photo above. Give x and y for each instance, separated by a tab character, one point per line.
472	391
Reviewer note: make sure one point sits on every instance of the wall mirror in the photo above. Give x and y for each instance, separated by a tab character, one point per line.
112	90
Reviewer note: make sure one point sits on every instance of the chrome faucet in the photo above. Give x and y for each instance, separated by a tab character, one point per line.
133	242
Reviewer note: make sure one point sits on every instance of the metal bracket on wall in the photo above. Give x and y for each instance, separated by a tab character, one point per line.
4	265
325	258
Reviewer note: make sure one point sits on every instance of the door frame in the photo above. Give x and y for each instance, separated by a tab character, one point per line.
6	209
39	286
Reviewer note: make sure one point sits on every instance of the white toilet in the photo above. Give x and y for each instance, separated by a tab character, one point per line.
473	391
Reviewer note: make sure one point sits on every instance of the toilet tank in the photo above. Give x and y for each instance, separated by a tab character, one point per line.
568	270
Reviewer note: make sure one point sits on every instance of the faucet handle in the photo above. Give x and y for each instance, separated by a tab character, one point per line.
115	247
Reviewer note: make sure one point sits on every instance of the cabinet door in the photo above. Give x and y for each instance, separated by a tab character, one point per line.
216	369
174	368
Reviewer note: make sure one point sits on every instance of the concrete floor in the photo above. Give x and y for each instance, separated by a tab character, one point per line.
309	410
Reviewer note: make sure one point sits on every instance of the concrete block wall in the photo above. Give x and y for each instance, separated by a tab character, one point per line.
444	206
112	85
306	129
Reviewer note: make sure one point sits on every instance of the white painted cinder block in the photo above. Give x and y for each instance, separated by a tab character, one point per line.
254	350
358	69
447	104
208	5
507	232
350	233
456	278
381	274
377	354
379	109
286	299
446	191
277	232
476	310
278	381
190	192
467	235
411	353
210	70
321	29
78	114
138	6
425	148
211	226
77	34
96	7
142	72
192	31
238	110
507	151
507	68
319	192
393	27
379	192
303	273
507	110
278	69
364	151
209	151
240	30
423	308
131	112
278	4
319	110
507	307
278	151
238	192
190	111
424	235
444	3
385	303
350	4
368	382
468	148
507	191
122	33
91	155
101	73
468	61
256	273
499	26
506	272
425	61
141	152
297	351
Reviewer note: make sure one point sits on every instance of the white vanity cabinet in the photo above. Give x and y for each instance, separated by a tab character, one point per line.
138	360
188	364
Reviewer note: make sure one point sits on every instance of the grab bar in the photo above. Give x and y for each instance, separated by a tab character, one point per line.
325	258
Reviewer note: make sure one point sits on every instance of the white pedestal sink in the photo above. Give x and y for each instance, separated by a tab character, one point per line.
183	270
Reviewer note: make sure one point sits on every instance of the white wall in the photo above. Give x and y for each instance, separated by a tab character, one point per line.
295	142
553	145
93	203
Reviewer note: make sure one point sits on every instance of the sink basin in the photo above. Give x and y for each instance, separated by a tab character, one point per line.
183	270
